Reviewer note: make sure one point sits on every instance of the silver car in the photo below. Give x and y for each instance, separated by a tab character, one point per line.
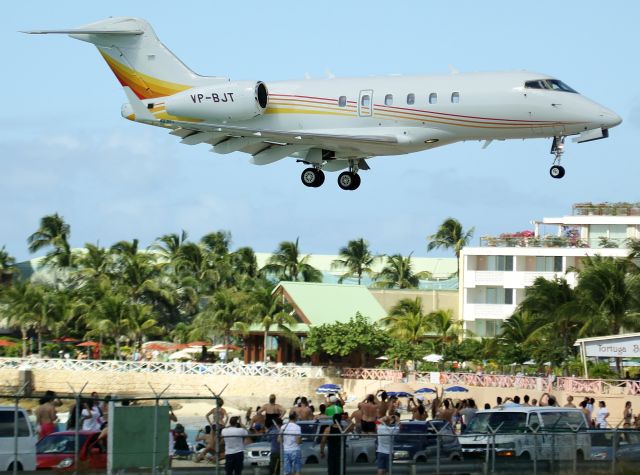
359	449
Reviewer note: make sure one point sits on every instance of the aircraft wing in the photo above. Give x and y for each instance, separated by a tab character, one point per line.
267	146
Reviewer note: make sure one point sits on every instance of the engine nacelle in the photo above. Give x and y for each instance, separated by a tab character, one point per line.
231	101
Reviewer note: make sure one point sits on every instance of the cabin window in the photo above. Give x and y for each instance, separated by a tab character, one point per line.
411	98
342	101
388	100
455	97
433	98
366	100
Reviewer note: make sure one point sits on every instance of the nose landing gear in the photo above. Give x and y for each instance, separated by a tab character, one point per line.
557	149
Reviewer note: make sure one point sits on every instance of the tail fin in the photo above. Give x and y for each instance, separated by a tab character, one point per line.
137	57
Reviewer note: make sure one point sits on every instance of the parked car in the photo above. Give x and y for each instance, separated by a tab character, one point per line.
25	458
56	451
417	441
359	449
526	432
602	444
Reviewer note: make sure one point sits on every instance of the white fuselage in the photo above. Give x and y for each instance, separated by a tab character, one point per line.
445	109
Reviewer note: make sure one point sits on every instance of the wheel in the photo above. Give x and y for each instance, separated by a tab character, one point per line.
312	177
356	182
556	171
362	458
348	181
11	467
312	461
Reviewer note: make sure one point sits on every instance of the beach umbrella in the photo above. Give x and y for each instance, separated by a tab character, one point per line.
199	343
529	362
433	358
399	394
457	389
425	391
180	355
329	388
226	348
88	343
4	342
383	358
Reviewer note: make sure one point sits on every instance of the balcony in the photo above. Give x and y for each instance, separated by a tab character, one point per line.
473	311
509	279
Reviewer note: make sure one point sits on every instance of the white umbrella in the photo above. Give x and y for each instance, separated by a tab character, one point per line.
433	358
529	362
383	358
180	355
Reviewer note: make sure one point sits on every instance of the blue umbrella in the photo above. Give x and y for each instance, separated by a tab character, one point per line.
329	388
425	390
457	389
399	394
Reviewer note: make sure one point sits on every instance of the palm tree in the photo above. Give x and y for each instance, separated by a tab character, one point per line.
54	232
555	316
224	313
7	267
407	322
269	311
356	258
609	294
450	235
111	317
398	273
287	264
446	327
19	301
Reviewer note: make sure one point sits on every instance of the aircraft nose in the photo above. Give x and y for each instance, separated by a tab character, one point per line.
609	118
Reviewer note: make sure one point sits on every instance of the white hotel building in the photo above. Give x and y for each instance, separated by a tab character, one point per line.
494	276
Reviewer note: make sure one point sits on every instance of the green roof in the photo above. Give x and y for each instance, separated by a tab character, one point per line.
317	304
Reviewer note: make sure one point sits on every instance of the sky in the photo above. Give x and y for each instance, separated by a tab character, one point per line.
65	148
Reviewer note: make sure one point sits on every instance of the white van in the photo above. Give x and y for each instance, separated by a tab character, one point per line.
25	456
546	433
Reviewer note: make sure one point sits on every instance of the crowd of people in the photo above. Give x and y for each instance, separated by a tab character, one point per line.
378	413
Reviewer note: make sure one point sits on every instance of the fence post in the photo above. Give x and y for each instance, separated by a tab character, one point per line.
155	427
16	410
76	437
218	429
614	450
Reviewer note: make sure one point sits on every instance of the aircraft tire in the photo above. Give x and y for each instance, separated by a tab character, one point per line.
356	182
311	177
556	171
347	180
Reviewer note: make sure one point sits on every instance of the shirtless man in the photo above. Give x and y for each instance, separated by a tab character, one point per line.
219	414
46	416
271	411
383	405
303	410
369	411
356	419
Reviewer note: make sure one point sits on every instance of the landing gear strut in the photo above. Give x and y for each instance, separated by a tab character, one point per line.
557	149
349	180
312	177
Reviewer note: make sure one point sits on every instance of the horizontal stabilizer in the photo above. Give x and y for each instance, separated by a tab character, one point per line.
81	31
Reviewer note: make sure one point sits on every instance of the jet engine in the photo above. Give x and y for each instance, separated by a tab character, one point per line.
231	101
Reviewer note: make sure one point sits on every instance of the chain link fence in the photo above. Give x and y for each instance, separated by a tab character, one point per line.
397	447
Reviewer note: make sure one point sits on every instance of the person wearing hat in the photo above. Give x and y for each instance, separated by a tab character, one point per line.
334	408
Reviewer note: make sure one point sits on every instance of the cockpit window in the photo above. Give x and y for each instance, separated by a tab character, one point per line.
550	84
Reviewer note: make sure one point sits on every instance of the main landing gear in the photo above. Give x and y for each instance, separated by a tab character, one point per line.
314	177
557	149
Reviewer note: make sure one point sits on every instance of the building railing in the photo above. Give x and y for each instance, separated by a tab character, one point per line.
372	374
212	369
553	241
606	209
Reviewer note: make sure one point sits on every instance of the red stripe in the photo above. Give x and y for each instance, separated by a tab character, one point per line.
425	111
